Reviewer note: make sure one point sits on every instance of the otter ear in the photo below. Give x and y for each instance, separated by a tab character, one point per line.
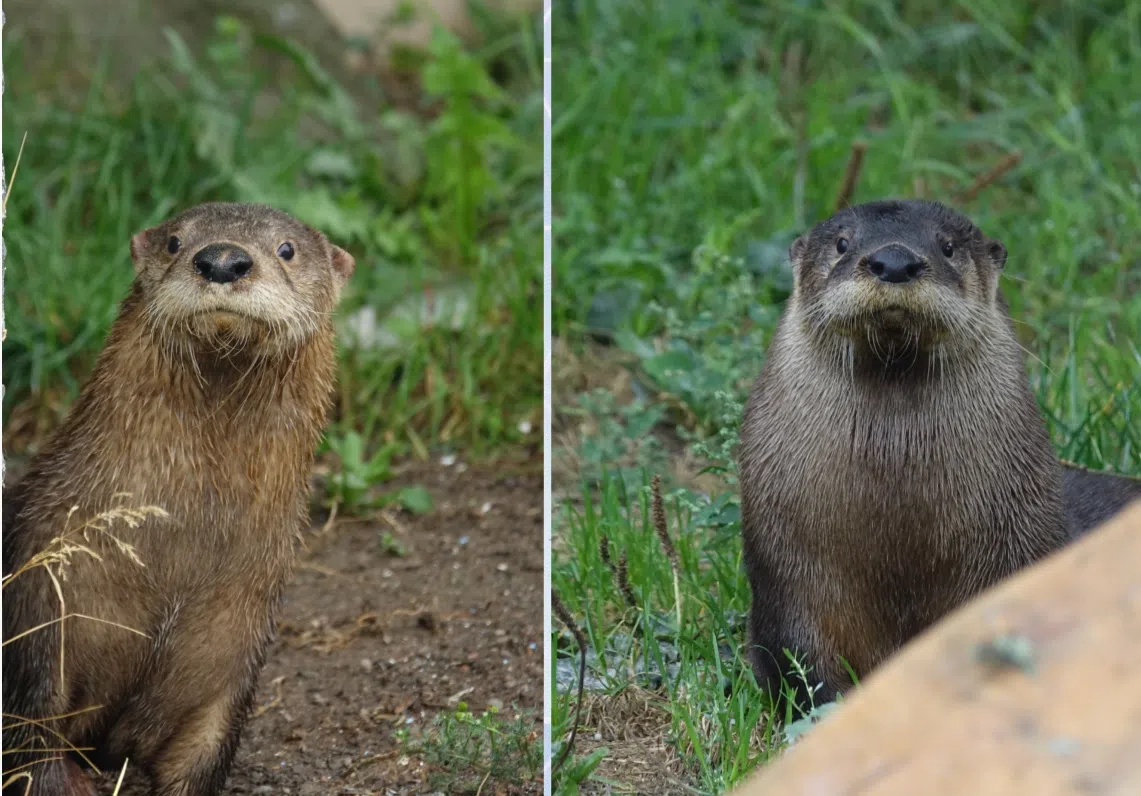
997	253
140	245
796	250
343	265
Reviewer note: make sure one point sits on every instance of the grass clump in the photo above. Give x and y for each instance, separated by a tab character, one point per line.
688	155
469	753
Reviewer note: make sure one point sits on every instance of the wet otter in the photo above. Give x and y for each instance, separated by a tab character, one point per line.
206	402
893	460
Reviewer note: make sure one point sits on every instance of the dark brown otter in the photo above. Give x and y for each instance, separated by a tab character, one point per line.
207	403
893	460
1092	497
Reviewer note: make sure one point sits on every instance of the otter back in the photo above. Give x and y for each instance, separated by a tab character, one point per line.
1092	498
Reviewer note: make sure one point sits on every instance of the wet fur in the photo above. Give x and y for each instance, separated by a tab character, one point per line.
891	466
217	426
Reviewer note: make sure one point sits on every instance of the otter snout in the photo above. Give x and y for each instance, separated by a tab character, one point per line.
223	263
896	264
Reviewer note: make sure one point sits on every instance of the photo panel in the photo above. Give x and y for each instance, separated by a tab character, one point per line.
845	355
273	398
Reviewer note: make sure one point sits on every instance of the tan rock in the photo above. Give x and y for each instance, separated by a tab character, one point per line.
1032	688
375	18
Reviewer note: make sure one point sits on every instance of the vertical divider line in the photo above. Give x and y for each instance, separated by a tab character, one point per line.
547	408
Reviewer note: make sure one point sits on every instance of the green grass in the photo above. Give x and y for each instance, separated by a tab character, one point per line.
471	754
689	152
437	201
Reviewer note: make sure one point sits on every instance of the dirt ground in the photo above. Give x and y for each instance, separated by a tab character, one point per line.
369	642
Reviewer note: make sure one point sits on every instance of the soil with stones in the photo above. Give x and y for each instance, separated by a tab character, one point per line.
371	641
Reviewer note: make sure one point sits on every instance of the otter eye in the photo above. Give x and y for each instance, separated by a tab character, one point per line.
285	251
948	249
842	245
173	245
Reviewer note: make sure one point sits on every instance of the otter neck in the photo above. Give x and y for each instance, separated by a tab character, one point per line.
907	356
180	428
225	380
887	358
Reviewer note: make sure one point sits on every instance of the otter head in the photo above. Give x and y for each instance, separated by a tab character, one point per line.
239	275
896	279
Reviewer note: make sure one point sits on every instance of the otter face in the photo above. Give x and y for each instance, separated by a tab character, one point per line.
239	274
901	273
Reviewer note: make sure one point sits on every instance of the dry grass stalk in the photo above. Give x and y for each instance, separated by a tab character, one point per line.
989	177
661	528
567	619
851	175
119	783
622	575
55	559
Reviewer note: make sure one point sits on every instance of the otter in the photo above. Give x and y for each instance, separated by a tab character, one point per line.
893	461
176	488
1091	497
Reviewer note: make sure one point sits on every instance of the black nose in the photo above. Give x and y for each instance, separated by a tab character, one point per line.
222	263
896	263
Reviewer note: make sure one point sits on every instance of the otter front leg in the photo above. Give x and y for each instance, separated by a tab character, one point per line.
196	759
769	649
778	628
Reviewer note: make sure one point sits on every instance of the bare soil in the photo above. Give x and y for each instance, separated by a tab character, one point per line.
370	642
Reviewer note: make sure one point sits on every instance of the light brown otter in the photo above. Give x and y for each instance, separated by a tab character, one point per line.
207	402
893	460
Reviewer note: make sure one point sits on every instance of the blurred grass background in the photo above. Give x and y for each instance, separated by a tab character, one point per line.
432	181
692	141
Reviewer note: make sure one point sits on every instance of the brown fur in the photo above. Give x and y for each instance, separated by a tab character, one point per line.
893	460
207	401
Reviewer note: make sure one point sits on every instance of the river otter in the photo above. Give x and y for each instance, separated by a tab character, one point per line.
893	460
205	404
1092	497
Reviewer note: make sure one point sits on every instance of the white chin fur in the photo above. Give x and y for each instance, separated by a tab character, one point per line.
251	313
852	302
